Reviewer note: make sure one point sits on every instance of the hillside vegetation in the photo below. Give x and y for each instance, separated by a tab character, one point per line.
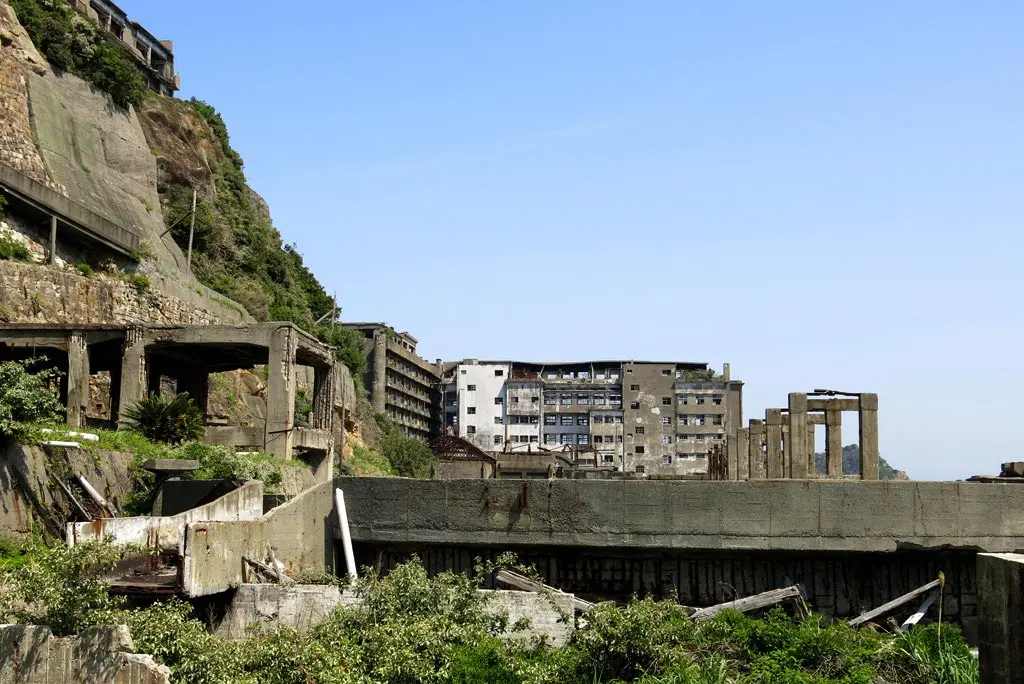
851	464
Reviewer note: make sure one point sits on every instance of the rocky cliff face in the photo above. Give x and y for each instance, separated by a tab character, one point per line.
65	133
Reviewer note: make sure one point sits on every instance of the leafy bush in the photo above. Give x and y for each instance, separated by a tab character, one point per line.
408	456
12	250
137	279
84	269
27	397
74	44
171	420
218	462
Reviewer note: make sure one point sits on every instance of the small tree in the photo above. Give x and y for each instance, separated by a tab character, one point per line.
27	397
171	420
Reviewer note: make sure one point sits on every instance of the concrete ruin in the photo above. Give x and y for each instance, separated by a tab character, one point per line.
1001	618
782	446
140	358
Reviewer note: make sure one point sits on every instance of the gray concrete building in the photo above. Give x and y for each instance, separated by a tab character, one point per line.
400	383
655	418
153	57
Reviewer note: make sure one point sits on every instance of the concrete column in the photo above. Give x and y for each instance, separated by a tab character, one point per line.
732	458
834	443
1000	617
773	440
280	393
196	382
78	379
756	450
869	436
378	392
742	454
133	371
812	466
798	435
51	258
786	456
323	397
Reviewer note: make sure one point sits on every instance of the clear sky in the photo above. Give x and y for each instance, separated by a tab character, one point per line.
823	194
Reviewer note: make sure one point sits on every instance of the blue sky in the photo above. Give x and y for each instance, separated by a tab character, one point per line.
823	194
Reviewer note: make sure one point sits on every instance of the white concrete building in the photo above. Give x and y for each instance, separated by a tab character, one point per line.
477	400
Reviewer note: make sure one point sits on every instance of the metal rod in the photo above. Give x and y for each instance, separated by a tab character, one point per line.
346	534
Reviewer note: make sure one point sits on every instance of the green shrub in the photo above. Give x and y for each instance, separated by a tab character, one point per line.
12	250
408	456
84	269
137	279
73	44
27	396
171	420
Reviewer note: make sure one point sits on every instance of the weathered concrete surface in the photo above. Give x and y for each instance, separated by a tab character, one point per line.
24	467
168	533
272	606
99	655
302	607
1001	618
779	515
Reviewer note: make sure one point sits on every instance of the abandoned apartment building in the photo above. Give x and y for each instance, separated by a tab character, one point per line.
153	57
633	416
399	383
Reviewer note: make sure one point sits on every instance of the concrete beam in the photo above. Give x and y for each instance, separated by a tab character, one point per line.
852	404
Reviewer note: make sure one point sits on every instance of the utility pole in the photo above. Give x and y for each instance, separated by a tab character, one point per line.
191	231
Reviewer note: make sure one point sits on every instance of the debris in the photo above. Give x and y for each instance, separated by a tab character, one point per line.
267	570
526	584
925	605
750	603
97	497
892	605
85	436
71	497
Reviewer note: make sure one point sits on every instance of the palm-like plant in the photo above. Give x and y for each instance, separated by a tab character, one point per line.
171	420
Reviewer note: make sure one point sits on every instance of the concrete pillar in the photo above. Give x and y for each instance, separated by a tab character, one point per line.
756	450
786	456
869	436
378	392
195	381
834	443
51	258
133	371
798	435
323	397
280	393
732	459
742	454
78	379
812	466
773	440
1000	577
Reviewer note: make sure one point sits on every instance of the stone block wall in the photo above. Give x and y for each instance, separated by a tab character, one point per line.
1001	618
99	655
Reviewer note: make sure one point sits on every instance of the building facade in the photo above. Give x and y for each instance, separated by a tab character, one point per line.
646	417
400	383
155	58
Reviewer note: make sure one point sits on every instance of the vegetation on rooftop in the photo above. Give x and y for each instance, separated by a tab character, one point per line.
72	43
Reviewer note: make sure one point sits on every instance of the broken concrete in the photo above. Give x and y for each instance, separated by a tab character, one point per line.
100	655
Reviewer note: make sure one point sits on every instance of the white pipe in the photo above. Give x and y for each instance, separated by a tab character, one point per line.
87	436
66	445
96	496
346	534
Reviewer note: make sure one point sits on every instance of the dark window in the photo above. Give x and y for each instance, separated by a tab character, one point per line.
567	420
716	399
471	410
498	373
497	401
668	459
666	401
634	404
666	420
584	439
598	439
582	400
497	420
635	388
640	470
666	372
549	439
535	400
471	388
497	439
639	430
534	420
641	449
515	400
471	429
598	420
550	419
716	420
582	420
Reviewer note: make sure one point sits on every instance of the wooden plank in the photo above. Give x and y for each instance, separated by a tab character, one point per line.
921	612
892	605
518	581
750	603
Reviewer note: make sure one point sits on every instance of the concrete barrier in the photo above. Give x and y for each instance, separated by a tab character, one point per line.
30	654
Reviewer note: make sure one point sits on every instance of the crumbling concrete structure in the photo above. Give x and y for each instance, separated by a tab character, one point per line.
140	358
783	444
1001	617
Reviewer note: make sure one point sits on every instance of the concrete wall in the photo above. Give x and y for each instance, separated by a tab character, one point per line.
776	515
168	533
302	607
99	655
1001	618
459	470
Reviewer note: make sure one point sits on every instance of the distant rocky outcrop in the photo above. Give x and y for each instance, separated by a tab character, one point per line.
851	464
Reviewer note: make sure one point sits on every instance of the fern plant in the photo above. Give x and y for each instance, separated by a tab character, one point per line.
171	420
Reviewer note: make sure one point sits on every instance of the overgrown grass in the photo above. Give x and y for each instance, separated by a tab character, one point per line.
367	462
12	250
